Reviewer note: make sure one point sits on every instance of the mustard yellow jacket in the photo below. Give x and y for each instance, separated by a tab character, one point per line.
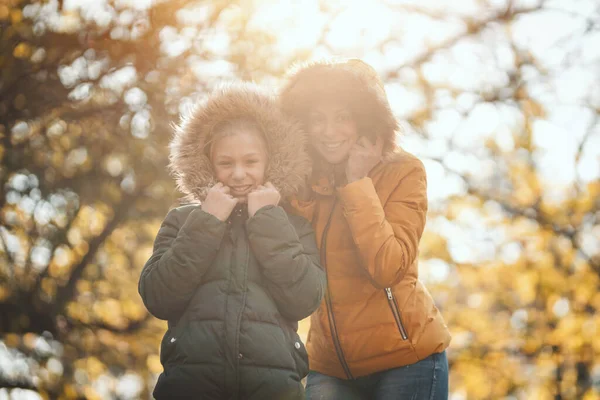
376	315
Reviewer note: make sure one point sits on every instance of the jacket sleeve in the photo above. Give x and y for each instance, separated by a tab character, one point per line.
290	261
184	248
387	236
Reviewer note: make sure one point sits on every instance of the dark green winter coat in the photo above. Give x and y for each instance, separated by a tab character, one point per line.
233	291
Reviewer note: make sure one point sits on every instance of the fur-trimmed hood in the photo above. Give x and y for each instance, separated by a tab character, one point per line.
350	80
288	163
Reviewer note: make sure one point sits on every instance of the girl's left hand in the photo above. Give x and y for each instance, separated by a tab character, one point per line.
263	195
363	157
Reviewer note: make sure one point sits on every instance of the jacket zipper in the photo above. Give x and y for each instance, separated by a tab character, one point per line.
396	312
332	326
237	353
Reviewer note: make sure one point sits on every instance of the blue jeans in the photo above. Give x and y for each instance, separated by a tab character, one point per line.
424	380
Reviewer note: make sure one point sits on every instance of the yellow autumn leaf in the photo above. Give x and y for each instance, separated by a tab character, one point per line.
5	292
22	51
49	286
533	108
84	286
132	310
70	391
94	367
153	364
526	286
591	395
91	394
4	12
16	16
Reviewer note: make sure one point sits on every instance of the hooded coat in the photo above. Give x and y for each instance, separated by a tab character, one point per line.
232	292
377	315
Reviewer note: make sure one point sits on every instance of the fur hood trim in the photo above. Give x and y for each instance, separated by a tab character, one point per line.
288	165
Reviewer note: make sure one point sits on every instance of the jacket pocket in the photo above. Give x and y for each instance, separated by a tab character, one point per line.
300	357
396	312
168	346
170	352
297	349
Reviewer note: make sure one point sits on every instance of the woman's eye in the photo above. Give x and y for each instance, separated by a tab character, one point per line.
344	117
252	161
224	164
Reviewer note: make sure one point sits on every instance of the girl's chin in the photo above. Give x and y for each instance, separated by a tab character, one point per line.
242	199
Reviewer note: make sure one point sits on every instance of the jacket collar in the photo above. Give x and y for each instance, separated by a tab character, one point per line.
323	182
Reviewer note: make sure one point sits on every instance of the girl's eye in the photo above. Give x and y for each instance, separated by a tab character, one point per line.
252	161
224	164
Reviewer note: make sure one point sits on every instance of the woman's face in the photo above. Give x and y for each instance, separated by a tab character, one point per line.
332	130
240	161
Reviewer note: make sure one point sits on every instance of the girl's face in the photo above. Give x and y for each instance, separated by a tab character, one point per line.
240	161
332	130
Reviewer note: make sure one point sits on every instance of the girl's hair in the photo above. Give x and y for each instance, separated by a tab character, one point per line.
231	127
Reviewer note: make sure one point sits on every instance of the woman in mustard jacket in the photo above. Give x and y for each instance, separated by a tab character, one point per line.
378	333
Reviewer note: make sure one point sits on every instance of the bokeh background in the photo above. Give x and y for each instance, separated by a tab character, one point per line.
500	99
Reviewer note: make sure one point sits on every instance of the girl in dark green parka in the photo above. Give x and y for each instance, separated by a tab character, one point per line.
232	273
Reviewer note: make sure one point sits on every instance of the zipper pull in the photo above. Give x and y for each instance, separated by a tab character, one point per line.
389	293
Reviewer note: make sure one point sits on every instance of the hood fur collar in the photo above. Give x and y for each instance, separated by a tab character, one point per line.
288	163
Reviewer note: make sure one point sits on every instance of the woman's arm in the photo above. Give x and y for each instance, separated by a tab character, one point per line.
387	236
290	261
186	245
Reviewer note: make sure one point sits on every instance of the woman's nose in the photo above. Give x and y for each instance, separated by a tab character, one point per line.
329	131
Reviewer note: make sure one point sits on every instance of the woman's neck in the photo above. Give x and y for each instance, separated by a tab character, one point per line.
339	174
336	173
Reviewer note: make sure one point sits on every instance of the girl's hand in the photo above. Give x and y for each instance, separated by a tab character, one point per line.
219	202
363	157
263	195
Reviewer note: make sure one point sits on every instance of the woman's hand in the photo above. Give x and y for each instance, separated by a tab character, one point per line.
263	195
305	192
363	157
219	202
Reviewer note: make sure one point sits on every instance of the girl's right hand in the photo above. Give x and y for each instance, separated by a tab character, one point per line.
219	202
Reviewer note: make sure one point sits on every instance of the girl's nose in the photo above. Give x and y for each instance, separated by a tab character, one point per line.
239	172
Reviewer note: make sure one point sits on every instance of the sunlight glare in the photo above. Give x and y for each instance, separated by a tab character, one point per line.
360	25
298	25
